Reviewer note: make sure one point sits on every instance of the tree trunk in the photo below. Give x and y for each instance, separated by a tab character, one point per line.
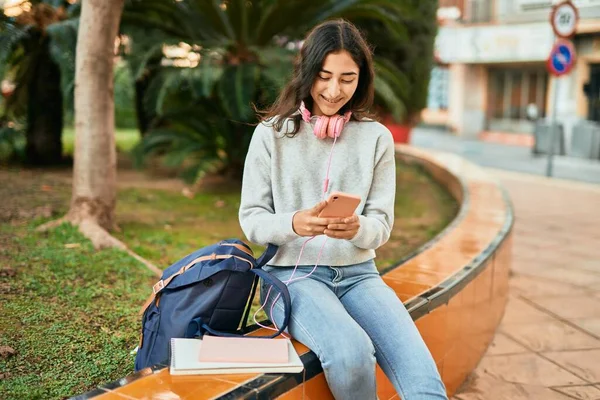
144	115
95	167
44	112
140	111
236	151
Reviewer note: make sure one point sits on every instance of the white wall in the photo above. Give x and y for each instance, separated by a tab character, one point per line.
468	91
494	43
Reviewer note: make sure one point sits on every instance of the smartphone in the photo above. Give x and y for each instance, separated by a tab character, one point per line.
340	205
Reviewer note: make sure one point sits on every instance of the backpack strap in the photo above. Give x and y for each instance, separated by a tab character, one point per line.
197	326
285	294
269	253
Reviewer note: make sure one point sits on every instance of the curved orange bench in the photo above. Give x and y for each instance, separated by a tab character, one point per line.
455	288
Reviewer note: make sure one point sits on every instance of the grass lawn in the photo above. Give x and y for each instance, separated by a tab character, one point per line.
70	313
126	139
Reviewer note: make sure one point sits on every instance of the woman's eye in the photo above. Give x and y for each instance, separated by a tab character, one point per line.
326	78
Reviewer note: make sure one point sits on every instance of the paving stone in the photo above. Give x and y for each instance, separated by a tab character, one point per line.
570	307
559	274
591	325
584	364
530	287
504	345
550	336
529	369
519	311
580	392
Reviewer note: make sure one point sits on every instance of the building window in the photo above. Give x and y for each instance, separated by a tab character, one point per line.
516	97
437	98
479	10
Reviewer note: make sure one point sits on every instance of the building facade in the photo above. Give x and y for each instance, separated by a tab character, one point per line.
491	74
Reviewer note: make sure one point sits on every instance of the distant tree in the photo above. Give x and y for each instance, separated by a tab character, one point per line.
37	45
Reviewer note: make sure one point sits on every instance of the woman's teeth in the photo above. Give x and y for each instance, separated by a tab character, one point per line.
331	101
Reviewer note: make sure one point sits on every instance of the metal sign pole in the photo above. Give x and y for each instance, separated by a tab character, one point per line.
554	131
563	18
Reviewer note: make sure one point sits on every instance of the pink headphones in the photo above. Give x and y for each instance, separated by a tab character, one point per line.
326	126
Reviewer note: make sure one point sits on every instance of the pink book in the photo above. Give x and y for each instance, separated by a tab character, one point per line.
243	350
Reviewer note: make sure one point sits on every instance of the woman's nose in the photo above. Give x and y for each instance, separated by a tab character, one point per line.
333	90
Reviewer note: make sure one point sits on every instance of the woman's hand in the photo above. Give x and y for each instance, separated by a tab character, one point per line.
345	229
307	223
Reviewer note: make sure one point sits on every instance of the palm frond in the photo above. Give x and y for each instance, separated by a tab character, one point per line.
144	52
214	12
62	50
155	15
395	79
333	8
238	12
289	18
12	143
182	145
10	37
393	103
391	20
204	78
24	73
237	88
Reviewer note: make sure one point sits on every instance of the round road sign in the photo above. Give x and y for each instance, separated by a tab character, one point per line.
562	57
564	18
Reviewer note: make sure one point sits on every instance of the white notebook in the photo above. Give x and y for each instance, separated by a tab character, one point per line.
185	355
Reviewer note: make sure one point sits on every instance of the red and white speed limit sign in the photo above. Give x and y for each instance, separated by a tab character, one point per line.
564	18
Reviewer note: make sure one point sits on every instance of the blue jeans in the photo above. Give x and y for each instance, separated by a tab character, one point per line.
350	319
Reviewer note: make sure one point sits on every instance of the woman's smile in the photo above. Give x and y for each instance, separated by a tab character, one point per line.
331	101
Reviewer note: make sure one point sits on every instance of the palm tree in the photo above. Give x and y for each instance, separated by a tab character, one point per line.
239	53
414	57
37	45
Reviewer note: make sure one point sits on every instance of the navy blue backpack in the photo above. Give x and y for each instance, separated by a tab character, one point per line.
210	290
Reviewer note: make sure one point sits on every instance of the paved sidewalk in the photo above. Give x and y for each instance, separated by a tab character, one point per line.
513	158
548	344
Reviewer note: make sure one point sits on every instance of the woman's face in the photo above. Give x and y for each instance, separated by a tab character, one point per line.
335	84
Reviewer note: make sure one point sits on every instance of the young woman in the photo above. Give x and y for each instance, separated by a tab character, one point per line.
319	130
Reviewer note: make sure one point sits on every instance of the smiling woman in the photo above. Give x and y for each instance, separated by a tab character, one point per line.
336	284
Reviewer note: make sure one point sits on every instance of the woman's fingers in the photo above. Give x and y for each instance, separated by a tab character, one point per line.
345	224
345	229
339	234
338	227
334	234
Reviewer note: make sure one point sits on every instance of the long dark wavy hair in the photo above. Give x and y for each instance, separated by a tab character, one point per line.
328	37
